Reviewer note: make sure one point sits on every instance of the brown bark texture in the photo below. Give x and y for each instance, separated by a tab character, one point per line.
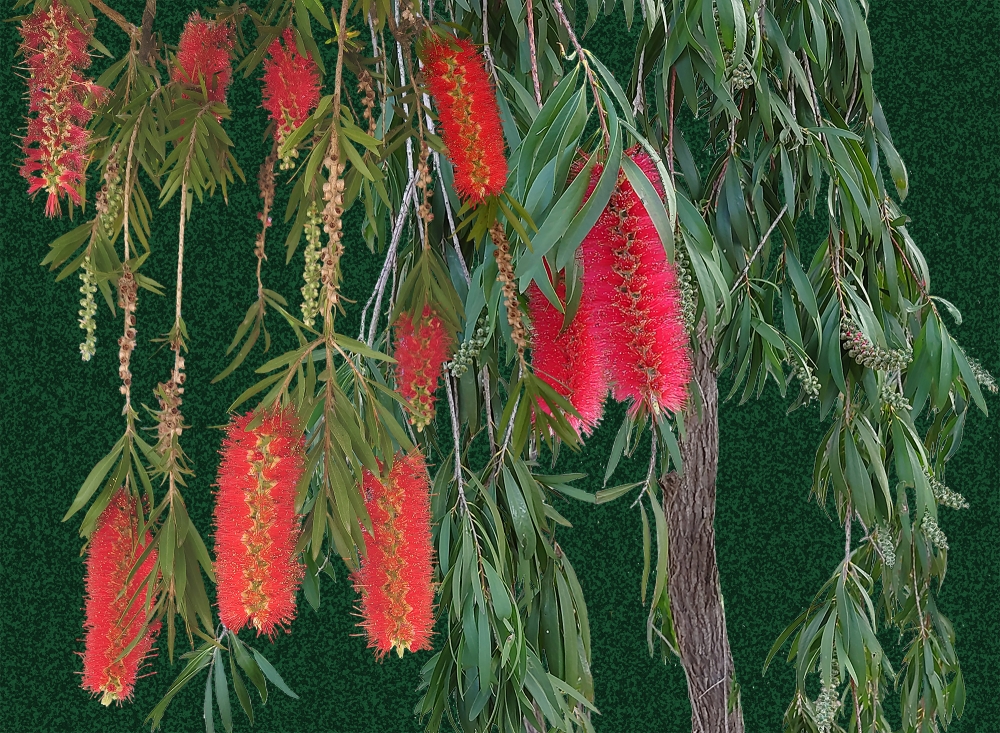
693	574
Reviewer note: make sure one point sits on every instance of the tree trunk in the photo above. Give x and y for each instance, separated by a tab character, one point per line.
693	575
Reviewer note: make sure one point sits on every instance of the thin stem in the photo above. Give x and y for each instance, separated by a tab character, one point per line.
452	408
763	241
491	428
115	17
847	543
670	138
265	181
586	68
533	52
390	261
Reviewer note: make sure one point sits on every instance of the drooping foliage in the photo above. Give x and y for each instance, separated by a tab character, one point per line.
547	237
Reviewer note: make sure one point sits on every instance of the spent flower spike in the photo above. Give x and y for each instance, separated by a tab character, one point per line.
56	143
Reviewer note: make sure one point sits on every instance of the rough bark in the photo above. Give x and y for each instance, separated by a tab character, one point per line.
693	575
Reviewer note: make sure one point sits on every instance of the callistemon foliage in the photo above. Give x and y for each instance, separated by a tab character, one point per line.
291	87
422	346
203	56
417	164
467	110
571	359
56	142
256	526
116	607
636	298
394	577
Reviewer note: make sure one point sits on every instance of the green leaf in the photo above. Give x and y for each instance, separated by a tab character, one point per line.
606	495
272	674
222	692
94	479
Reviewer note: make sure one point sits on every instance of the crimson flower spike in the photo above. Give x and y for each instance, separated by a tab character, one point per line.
571	361
55	146
394	579
421	347
111	623
637	298
256	526
204	51
469	116
291	85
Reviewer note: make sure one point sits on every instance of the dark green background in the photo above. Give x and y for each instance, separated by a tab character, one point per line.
937	73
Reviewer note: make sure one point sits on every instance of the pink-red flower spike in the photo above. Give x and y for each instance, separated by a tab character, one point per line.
291	85
638	302
203	53
55	146
111	623
572	361
469	116
421	348
256	526
394	578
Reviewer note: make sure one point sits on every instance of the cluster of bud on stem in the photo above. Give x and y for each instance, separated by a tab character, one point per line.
860	348
310	291
892	399
685	283
945	496
333	194
885	544
467	351
367	92
933	532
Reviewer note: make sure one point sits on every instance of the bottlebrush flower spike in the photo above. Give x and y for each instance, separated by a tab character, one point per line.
55	146
573	361
291	85
203	52
469	116
637	298
394	579
420	350
110	623
256	526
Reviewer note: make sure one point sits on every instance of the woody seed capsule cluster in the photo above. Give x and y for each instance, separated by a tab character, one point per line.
886	545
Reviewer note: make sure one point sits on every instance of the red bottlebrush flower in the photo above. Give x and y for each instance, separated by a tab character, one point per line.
291	85
394	578
110	623
469	116
204	51
638	300
420	350
55	146
256	526
573	361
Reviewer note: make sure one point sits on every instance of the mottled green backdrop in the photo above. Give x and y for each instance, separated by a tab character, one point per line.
937	72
